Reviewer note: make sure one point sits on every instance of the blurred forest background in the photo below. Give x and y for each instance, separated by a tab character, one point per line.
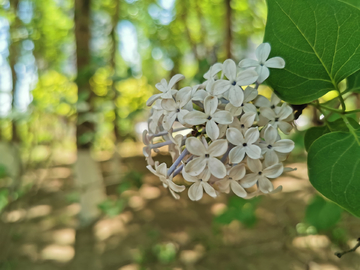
74	190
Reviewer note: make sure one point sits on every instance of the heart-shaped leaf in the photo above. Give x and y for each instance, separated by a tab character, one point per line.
320	42
334	168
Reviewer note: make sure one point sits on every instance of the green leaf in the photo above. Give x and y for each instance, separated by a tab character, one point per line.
320	42
314	133
322	214
241	210
353	82
334	168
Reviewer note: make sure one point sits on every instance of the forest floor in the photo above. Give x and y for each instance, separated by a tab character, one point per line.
155	231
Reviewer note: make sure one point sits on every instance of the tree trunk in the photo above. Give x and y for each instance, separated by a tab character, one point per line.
228	21
88	177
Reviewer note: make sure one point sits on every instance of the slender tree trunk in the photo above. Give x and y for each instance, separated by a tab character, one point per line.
228	31
88	177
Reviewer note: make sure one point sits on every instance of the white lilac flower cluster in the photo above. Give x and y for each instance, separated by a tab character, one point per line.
231	139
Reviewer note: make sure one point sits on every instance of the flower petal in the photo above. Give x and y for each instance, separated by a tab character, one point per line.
270	135
234	136
275	62
212	130
265	185
175	79
220	86
237	172
209	189
217	148
236	96
210	104
250	94
216	167
168	104
188	177
275	100
249	180
267	113
183	96
229	68
263	72
252	135
247	77
152	99
253	151
271	158
181	115
175	187
274	170
262	101
284	146
222	117
248	119
162	86
169	120
195	118
200	95
237	154
195	147
238	189
246	63
285	127
262	52
196	166
196	191
254	165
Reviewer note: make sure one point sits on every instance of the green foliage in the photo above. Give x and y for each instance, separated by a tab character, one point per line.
320	51
316	132
322	214
165	253
3	171
353	82
241	210
334	168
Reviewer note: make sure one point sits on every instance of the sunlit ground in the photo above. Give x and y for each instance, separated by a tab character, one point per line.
157	232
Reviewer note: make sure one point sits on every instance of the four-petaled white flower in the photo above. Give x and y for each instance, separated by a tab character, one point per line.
262	101
212	72
235	81
245	122
279	117
200	183
174	108
165	88
161	172
231	180
206	157
273	146
249	95
210	117
244	144
260	175
262	65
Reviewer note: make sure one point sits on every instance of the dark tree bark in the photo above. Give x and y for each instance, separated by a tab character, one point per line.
228	31
82	37
12	61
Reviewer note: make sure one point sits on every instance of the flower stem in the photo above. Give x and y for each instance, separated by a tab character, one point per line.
178	170
157	145
177	161
166	132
